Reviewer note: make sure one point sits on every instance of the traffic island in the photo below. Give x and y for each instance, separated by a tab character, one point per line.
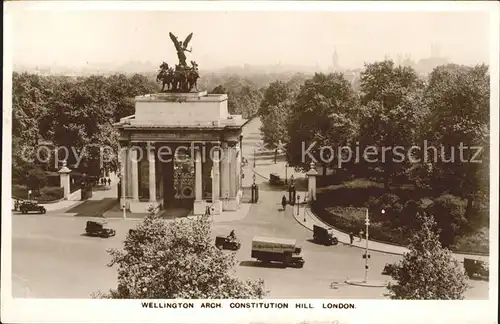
367	283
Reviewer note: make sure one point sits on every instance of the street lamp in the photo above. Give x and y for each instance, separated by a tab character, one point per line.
298	204
286	173
254	158
367	224
305	199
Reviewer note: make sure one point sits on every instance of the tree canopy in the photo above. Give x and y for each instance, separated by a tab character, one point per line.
177	260
321	114
428	271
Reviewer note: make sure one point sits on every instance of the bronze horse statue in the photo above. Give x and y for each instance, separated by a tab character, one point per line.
182	79
165	75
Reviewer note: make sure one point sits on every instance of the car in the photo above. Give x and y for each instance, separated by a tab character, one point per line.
97	229
27	206
476	268
274	179
227	243
324	236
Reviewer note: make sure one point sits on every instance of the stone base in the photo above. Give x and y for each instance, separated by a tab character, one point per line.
141	207
230	204
368	283
216	207
199	207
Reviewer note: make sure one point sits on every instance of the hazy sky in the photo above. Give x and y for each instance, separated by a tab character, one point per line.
73	38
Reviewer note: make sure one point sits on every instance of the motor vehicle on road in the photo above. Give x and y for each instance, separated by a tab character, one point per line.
227	243
476	268
285	251
27	206
97	229
324	236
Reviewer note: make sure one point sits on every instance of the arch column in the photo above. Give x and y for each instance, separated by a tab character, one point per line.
199	206
152	172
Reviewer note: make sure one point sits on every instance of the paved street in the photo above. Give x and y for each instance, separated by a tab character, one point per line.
51	258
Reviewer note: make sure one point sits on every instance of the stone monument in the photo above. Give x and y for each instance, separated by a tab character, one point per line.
189	143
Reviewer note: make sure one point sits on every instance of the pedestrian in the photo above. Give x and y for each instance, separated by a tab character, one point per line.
109	181
360	235
351	237
283	202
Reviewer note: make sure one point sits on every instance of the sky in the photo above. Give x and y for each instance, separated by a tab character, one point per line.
79	38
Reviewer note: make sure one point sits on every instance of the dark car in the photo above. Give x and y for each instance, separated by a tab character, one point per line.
227	243
274	179
324	236
476	268
31	206
97	229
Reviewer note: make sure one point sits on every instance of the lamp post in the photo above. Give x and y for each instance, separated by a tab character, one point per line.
367	224
286	173
298	204
305	199
254	158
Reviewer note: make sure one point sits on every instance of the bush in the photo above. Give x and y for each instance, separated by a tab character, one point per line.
36	179
351	219
428	271
43	195
388	202
475	242
449	214
48	194
177	260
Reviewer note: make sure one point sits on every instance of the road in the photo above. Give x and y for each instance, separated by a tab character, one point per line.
51	259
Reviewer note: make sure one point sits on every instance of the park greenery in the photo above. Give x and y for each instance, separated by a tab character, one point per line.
428	271
392	106
78	113
177	260
386	106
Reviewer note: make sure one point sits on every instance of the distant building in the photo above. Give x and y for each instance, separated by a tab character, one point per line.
335	61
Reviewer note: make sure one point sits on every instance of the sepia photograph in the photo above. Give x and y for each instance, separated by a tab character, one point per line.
208	157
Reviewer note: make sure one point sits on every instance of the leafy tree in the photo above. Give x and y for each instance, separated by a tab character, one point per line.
276	94
458	100
219	90
390	116
322	114
428	271
449	214
275	124
36	179
177	260
247	101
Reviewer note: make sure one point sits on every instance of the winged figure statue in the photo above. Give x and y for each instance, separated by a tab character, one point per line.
181	47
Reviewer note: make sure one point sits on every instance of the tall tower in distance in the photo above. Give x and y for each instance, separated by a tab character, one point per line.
335	60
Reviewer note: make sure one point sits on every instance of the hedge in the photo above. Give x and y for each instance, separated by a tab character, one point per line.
46	194
348	221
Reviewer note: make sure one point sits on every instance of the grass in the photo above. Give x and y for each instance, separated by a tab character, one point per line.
342	206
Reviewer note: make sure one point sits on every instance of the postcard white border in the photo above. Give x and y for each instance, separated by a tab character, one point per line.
128	311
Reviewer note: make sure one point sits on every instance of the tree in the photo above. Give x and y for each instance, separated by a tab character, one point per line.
458	100
274	125
36	179
449	214
428	271
177	260
219	90
276	94
321	115
390	115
